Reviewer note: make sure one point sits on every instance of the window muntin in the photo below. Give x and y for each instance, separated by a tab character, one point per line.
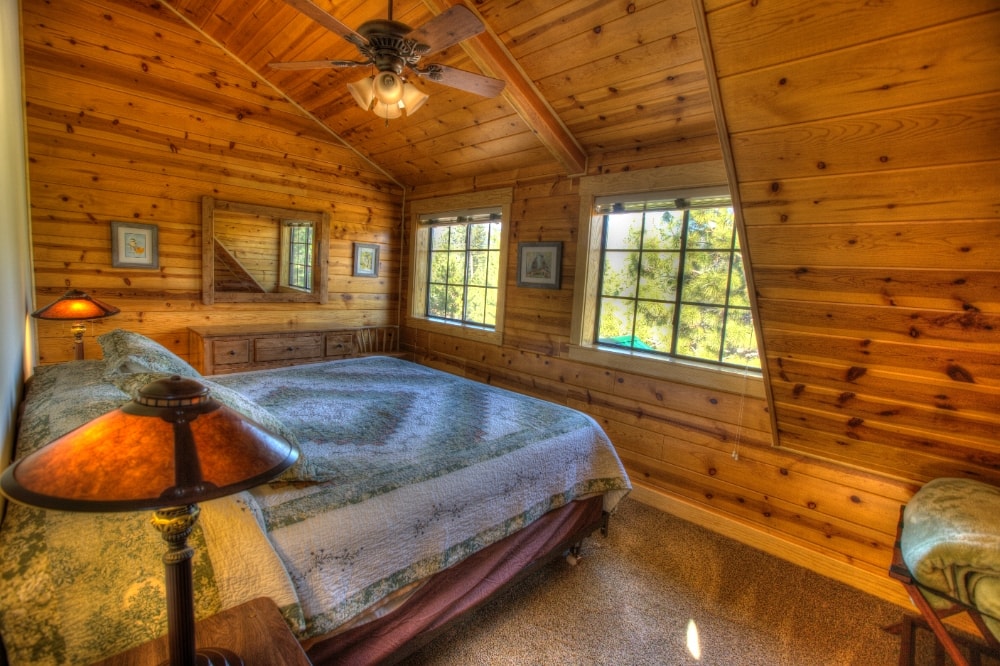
463	268
671	280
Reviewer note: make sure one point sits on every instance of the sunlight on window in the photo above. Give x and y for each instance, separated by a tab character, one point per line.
693	642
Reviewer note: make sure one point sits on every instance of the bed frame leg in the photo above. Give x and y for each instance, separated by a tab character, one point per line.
573	555
605	521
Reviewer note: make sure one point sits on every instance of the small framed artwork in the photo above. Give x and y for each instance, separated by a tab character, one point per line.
134	245
365	260
539	265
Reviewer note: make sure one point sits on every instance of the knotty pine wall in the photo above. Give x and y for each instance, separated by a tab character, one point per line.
866	153
133	116
866	143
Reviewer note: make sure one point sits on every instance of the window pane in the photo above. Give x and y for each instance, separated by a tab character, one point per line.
706	276
615	323
493	269
478	265
699	332
623	232
490	317
440	238
654	326
437	300
710	228
621	272
479	236
454	307
439	267
663	230
739	348
738	294
658	279
457	238
456	266
495	229
475	307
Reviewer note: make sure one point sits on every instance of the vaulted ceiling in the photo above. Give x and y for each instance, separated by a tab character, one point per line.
584	79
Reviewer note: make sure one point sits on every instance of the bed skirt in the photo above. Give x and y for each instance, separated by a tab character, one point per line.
459	589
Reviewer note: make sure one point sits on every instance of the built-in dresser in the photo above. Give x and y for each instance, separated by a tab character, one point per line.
216	350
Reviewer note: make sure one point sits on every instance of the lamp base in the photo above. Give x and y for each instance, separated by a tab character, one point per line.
213	657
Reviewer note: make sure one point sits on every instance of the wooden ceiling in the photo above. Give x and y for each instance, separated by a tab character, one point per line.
585	79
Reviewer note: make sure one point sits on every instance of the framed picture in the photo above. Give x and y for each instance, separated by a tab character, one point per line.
365	260
539	265
134	245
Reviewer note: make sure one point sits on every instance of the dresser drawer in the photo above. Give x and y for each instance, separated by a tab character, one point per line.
230	352
339	344
288	348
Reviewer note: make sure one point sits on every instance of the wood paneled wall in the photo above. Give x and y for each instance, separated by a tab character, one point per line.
133	116
866	144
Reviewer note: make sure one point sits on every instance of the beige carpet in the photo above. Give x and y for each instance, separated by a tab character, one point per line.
633	597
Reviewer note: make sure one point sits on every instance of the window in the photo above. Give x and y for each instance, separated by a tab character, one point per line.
459	264
671	278
297	241
660	284
463	267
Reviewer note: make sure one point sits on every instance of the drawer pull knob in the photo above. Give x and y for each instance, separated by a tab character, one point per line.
290	349
232	352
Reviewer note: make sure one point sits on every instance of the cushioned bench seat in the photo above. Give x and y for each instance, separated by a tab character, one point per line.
949	547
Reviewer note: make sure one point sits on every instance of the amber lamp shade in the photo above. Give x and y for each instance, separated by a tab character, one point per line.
76	306
171	447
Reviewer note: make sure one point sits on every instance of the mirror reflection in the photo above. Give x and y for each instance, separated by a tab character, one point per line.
253	253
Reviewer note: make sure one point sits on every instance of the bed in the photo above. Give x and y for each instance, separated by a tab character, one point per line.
417	495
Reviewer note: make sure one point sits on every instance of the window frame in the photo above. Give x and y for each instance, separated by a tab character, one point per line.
583	344
416	316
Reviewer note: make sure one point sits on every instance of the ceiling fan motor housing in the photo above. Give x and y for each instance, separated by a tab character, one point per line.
388	47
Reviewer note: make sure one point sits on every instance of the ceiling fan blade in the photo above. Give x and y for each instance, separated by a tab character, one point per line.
449	27
311	10
459	78
317	64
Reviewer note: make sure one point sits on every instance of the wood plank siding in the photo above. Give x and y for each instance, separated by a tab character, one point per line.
132	115
861	140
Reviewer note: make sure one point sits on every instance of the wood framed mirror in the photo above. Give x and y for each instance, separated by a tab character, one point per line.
263	254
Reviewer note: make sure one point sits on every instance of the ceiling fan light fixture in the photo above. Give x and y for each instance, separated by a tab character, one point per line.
388	87
413	98
363	91
387	111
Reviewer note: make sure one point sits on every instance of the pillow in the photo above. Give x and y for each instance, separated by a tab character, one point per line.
63	397
132	383
126	352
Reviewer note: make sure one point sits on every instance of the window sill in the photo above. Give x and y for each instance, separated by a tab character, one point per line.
456	330
720	378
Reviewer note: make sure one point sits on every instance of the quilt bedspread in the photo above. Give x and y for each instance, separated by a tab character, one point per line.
409	470
404	471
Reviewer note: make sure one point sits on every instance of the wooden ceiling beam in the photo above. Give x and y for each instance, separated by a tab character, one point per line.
490	54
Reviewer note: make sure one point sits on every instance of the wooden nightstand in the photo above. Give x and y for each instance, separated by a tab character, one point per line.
254	630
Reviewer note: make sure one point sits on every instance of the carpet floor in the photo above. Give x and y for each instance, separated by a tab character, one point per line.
659	590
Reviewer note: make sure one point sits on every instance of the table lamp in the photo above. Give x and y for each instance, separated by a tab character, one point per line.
77	307
168	449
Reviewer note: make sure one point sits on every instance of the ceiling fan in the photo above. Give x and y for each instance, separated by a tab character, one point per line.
390	47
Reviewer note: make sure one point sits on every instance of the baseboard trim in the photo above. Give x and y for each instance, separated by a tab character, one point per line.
883	587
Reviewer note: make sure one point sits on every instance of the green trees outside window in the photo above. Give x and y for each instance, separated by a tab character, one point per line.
672	283
464	273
